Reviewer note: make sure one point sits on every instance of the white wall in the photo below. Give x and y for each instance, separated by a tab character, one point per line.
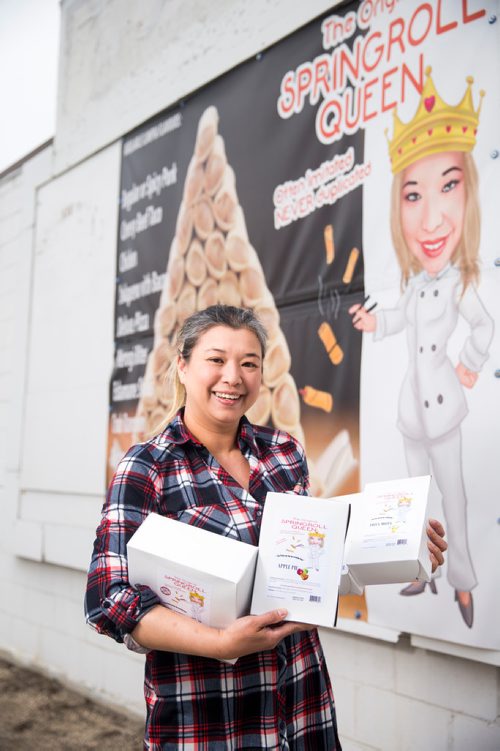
121	62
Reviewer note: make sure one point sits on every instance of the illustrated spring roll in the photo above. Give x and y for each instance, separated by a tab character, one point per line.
184	228
329	244
226	201
285	405
203	218
215	167
215	254
330	343
206	133
351	263
315	398
207	294
196	265
193	184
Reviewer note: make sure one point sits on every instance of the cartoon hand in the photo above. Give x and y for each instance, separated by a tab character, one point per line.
361	319
466	377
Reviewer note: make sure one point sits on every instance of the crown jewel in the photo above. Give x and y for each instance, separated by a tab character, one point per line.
436	126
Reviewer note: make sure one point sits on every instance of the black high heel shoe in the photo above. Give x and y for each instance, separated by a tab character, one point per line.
466	611
416	588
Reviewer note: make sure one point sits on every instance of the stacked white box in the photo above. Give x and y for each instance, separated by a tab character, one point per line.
386	541
200	574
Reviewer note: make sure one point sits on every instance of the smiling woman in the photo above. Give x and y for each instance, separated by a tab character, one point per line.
210	467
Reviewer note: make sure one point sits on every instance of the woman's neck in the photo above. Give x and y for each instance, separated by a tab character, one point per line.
220	440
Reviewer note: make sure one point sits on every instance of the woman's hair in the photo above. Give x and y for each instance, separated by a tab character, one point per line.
466	253
188	336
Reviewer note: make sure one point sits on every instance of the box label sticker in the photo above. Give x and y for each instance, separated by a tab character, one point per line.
297	571
389	522
185	596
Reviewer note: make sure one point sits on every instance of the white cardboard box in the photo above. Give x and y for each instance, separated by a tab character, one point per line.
200	574
301	550
387	539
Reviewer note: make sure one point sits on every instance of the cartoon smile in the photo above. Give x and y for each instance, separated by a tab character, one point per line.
433	248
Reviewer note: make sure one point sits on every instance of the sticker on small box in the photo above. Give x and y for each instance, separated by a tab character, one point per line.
389	521
186	597
296	572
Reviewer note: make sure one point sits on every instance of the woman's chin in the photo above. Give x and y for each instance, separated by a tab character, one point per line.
434	266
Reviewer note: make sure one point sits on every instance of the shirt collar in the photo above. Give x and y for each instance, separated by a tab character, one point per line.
177	432
436	277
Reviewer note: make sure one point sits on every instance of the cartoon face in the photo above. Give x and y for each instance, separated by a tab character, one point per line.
433	207
316	540
196	599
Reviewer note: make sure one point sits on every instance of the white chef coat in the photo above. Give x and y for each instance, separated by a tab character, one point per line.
432	400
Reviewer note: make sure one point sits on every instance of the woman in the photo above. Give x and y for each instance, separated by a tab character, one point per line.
435	223
211	468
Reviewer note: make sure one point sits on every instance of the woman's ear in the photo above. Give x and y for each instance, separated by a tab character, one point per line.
181	367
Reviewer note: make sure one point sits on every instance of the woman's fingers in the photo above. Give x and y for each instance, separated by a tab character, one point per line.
436	533
254	633
436	543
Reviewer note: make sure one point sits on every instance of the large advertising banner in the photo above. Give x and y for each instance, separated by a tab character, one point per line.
430	401
336	184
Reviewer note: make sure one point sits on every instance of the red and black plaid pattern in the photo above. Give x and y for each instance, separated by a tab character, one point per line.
278	699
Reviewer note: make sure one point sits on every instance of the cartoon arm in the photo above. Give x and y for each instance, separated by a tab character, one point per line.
475	350
383	322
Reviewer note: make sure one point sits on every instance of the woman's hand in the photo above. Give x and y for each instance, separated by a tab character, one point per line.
466	377
256	633
436	543
161	628
361	319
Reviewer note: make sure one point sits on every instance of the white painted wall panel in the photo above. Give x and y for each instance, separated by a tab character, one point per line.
71	348
124	61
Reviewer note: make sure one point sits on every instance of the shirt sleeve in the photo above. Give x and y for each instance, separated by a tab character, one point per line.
302	484
112	606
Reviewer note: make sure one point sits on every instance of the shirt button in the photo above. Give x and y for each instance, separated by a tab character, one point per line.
422	294
426	404
440	398
421	349
259	512
433	347
107	603
436	292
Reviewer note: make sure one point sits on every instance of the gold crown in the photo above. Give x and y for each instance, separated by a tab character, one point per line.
195	596
436	127
316	534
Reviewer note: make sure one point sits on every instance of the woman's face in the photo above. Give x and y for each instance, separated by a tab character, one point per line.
433	208
222	377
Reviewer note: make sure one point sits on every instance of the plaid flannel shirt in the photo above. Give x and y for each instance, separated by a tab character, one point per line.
277	699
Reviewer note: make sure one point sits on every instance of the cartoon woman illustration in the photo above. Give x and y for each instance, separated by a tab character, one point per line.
316	542
197	604
435	226
404	506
